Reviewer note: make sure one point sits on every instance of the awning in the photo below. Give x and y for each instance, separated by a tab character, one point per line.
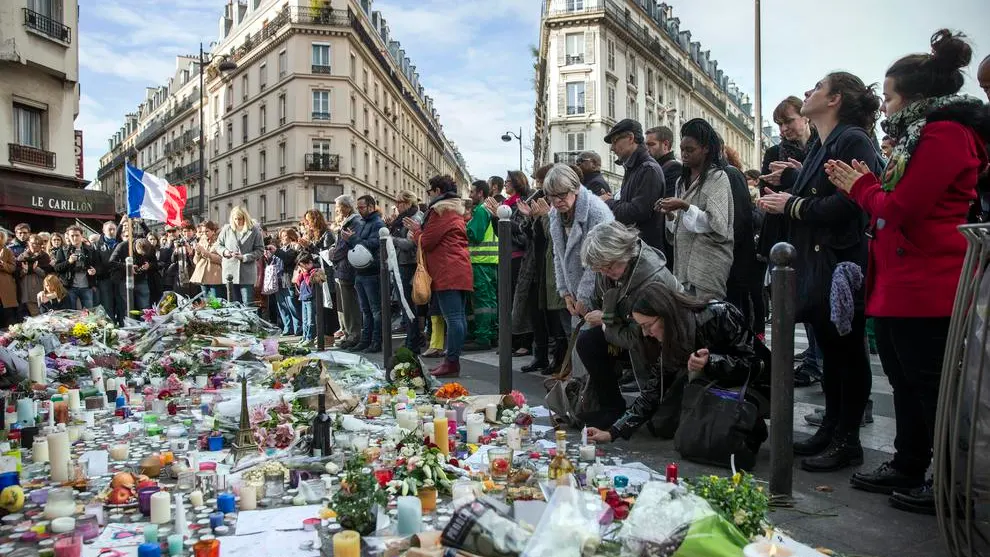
42	199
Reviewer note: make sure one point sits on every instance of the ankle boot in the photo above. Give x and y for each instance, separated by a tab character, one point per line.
447	369
816	443
844	451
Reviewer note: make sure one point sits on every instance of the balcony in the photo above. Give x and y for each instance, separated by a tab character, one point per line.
25	154
574	59
47	26
318	68
576	7
322	162
192	207
321	116
709	95
183	174
566	157
740	124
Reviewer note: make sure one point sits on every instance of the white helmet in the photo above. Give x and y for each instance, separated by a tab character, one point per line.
359	257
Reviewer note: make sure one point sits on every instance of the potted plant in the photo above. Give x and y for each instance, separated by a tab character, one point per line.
357	498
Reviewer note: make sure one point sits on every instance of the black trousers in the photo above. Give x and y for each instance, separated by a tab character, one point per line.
846	376
912	350
521	340
593	350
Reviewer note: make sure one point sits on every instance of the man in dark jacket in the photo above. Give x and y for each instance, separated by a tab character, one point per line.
20	242
591	173
642	184
350	311
111	289
366	279
660	142
76	267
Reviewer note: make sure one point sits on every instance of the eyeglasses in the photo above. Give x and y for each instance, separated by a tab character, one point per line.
558	196
649	325
581	161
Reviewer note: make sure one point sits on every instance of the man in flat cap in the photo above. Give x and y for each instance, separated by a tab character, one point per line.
642	184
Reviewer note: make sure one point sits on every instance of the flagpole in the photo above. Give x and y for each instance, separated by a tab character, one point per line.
129	267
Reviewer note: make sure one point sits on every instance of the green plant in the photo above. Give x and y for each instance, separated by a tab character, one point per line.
738	499
358	495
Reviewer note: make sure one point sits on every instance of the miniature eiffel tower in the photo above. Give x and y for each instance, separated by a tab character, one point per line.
244	443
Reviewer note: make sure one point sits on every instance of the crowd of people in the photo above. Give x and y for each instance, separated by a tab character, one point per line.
660	283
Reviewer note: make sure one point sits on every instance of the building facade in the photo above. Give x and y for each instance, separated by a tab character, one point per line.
41	162
322	102
605	60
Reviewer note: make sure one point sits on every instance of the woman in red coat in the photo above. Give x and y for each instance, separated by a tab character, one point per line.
443	239
916	254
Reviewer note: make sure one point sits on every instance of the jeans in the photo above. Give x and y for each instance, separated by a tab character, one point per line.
288	310
369	299
414	337
112	299
142	295
912	350
813	355
308	319
452	306
83	295
243	293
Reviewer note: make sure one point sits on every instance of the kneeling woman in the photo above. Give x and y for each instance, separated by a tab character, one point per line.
705	340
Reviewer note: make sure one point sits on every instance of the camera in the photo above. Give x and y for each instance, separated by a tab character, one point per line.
179	242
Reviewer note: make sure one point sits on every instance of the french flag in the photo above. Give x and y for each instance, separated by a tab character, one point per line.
153	198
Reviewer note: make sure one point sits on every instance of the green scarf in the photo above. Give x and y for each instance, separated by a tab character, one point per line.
904	128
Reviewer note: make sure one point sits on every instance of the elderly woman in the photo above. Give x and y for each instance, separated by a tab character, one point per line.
575	212
624	265
240	245
349	314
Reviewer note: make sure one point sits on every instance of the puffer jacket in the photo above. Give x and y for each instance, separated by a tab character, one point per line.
444	241
722	329
343	271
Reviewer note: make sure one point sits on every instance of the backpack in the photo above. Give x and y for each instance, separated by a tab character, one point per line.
273	274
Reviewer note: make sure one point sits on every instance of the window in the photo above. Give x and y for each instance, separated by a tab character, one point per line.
244	128
321	105
353	111
281	204
575	97
378	172
216	180
262	163
230	135
574	46
216	107
632	69
321	58
353	160
367	121
244	171
281	158
281	109
262	76
262	118
321	147
230	176
649	82
216	143
283	64
27	126
52	9
610	101
575	5
263	208
354	67
367	165
633	108
365	81
610	48
230	97
244	87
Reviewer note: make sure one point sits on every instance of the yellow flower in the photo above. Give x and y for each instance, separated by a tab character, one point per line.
736	478
713	477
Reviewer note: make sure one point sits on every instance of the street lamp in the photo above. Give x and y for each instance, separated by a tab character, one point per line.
224	66
758	100
507	137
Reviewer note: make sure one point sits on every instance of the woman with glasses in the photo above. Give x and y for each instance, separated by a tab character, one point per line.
624	264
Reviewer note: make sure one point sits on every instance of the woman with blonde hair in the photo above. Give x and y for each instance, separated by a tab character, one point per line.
53	295
407	205
349	314
240	245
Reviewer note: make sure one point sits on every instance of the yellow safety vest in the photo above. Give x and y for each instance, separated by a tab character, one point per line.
485	253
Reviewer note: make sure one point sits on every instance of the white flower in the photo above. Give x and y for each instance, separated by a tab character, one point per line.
418	382
407	451
332	468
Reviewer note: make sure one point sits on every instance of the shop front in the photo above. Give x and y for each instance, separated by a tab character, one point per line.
49	207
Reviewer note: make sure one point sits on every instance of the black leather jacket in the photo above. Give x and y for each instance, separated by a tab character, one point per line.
722	329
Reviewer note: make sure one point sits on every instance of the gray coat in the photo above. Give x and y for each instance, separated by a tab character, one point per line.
248	243
572	277
405	249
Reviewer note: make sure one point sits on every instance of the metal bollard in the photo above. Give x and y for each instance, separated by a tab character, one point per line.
128	285
784	294
317	309
230	288
385	293
504	300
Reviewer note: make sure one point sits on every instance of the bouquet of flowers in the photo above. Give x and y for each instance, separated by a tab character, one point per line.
357	498
451	391
514	410
175	363
67	372
278	425
738	499
407	371
419	466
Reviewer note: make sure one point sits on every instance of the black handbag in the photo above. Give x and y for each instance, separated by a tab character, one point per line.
715	425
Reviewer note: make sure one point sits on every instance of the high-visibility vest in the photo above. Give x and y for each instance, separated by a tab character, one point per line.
487	251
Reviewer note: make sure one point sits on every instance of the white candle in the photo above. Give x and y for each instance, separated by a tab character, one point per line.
63	524
161	508
111	383
586	453
181	524
491	413
513	439
58	455
249	497
51	414
74	431
36	365
196	498
475	427
73	400
39	450
119	452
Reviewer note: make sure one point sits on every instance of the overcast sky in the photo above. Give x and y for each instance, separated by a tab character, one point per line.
473	55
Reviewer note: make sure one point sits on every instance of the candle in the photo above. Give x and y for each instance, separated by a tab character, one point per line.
74	432
451	416
63	524
491	413
161	508
196	498
58	455
68	546
225	503
73	400
513	438
150	550
766	549
216	519
249	497
119	452
111	384
181	526
440	434
586	453
36	364
347	544
25	411
9	417
475	427
175	545
151	533
39	450
51	413
410	519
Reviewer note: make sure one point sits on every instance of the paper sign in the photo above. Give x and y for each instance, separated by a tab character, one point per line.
8	464
97	463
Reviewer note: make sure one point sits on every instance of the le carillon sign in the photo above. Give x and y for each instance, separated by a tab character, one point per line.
42	199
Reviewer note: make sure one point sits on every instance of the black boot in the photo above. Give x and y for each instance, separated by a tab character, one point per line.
886	479
920	500
537	366
844	451
816	443
557	357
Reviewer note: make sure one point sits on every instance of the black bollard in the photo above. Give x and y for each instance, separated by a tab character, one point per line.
317	309
230	288
504	300
385	292
784	294
128	285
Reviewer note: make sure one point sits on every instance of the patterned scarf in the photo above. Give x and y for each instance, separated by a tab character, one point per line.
905	127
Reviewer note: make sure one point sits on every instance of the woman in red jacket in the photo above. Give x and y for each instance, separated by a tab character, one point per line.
443	239
916	254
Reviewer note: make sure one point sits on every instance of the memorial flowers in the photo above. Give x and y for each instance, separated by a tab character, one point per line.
451	391
738	499
357	498
407	371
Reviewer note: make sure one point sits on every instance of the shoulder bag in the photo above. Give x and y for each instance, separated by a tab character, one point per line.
715	425
421	281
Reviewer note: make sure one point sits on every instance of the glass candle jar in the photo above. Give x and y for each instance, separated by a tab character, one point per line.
206	481
61	502
88	527
274	484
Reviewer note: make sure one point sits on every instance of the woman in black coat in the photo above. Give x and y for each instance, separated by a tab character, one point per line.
828	229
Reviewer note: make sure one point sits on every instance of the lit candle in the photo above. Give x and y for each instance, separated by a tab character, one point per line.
73	400
347	544
39	450
36	364
196	498
475	427
766	549
410	520
58	455
249	497
491	413
161	508
440	434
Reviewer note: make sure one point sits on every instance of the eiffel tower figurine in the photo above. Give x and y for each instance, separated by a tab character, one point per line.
244	444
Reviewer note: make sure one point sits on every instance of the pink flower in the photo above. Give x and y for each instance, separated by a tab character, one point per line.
518	398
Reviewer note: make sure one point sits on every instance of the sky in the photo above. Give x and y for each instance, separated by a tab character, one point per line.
474	59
